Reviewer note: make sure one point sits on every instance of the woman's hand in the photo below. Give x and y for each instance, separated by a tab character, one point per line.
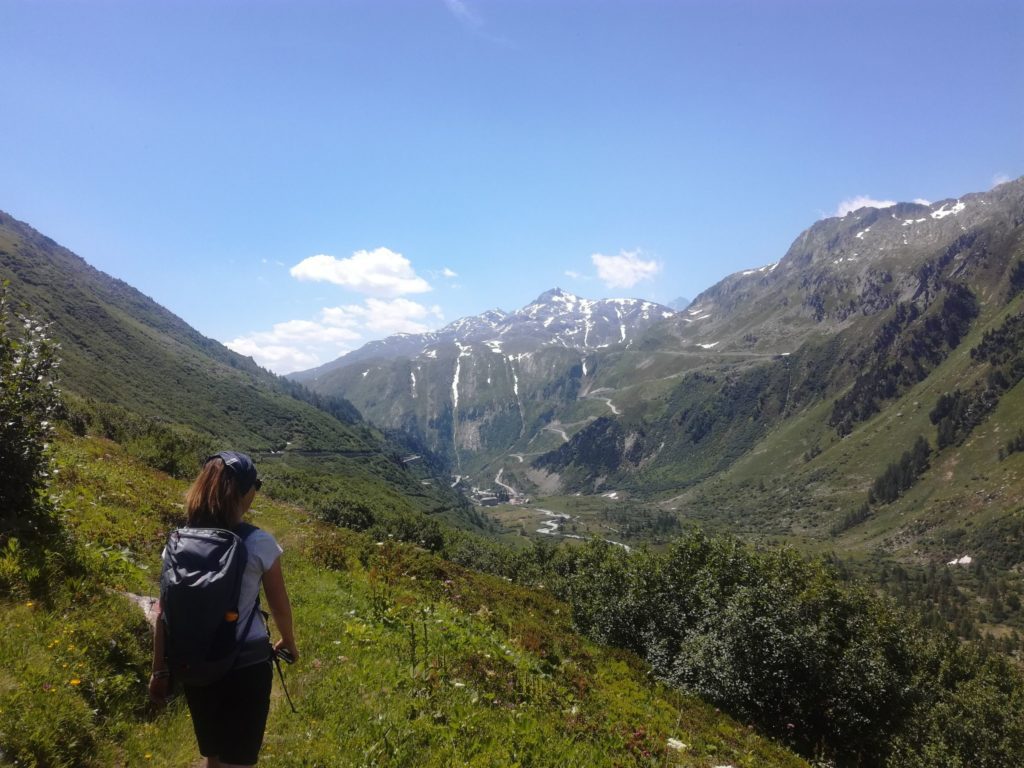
290	647
159	688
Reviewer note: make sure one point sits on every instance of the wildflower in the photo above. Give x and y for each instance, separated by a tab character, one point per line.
75	681
675	744
29	604
148	756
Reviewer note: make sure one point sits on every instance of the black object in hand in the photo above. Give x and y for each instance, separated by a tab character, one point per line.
285	655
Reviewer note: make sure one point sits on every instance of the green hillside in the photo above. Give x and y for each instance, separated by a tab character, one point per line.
133	371
107	328
407	659
819	374
411	658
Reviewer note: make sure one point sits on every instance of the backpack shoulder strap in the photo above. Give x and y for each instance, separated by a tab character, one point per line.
244	530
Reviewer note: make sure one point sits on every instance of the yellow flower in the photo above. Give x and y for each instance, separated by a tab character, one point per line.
148	756
75	681
29	604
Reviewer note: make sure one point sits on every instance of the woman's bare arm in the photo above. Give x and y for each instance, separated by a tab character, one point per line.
159	682
280	607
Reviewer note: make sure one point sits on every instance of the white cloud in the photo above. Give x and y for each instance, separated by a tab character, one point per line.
276	357
472	21
572	274
624	270
296	345
461	11
449	273
861	201
1000	178
380	272
922	201
383	317
304	331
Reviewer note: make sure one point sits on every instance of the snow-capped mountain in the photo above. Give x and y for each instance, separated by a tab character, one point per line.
555	318
483	385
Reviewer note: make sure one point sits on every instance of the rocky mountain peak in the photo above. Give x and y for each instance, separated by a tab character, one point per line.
555	294
556	318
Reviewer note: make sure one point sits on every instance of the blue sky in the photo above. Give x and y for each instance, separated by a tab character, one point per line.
298	178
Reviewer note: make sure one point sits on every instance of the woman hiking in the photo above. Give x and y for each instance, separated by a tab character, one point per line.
228	698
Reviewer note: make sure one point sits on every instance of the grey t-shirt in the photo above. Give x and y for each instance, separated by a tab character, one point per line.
263	553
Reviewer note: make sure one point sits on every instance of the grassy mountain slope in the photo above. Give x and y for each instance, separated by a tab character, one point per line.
407	659
107	329
806	380
164	379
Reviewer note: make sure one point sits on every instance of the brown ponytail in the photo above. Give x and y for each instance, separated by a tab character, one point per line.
213	499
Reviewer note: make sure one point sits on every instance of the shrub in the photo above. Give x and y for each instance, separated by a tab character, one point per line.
782	643
338	510
173	449
900	475
32	542
29	403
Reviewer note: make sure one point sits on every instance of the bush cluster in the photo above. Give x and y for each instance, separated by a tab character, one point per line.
32	541
169	448
29	404
1013	445
779	641
900	475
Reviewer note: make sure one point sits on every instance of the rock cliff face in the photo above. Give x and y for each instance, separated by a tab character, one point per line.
844	268
486	385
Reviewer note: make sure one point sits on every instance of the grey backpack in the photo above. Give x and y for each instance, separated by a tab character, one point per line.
199	590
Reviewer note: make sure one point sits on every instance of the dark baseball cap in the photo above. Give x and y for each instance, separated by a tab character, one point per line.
241	466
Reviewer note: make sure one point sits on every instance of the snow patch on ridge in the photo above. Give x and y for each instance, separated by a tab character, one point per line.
943	213
464	351
765	268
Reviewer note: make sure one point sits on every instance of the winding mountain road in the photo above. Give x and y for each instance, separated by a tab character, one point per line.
559	430
497	481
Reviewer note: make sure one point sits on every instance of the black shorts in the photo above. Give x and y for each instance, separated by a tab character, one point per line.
230	715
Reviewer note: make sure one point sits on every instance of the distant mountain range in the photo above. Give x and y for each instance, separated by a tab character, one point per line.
486	383
775	401
555	318
863	391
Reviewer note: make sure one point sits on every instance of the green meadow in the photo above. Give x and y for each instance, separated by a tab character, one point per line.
407	659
